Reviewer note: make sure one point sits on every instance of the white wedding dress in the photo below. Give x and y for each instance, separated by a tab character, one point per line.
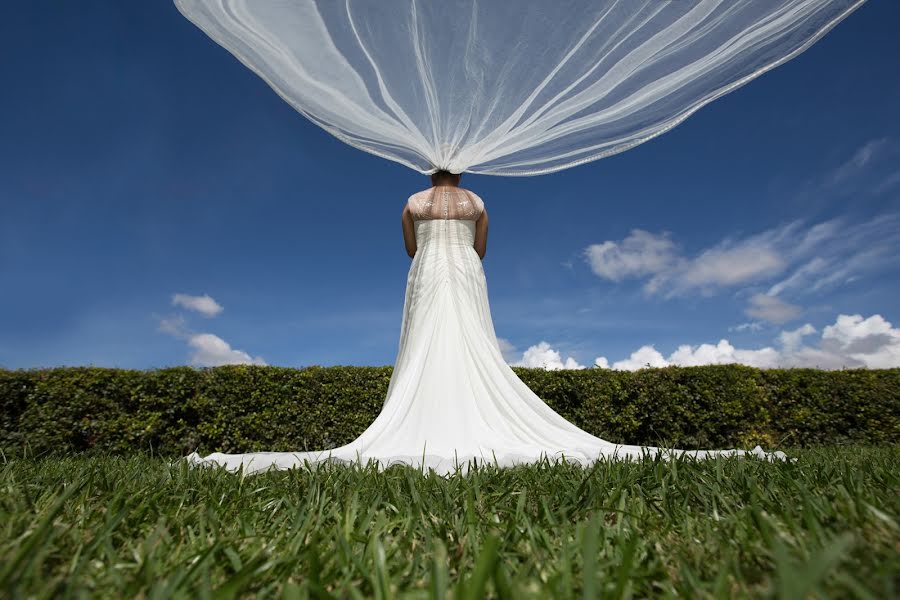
452	400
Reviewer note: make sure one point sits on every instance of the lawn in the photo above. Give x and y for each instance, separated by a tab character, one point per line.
95	526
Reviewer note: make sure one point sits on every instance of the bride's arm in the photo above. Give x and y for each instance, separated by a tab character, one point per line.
409	232
481	231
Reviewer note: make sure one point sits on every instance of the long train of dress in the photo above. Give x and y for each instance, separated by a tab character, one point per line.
453	400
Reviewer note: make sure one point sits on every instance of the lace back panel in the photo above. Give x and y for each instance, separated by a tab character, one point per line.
445	202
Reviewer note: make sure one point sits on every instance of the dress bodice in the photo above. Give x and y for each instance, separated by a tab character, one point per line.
444	232
445	216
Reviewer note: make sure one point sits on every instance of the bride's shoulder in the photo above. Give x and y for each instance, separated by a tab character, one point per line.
475	198
416	200
421	194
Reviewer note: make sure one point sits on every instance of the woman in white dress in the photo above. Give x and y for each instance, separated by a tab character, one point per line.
453	401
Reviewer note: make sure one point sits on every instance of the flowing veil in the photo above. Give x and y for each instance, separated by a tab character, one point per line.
508	88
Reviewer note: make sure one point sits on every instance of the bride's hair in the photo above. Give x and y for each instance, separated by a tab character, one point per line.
442	175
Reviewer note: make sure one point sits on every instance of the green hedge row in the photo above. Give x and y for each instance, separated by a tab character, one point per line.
244	408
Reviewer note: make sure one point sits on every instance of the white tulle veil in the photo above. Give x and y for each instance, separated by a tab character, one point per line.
508	87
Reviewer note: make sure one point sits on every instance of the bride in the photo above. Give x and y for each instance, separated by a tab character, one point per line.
452	400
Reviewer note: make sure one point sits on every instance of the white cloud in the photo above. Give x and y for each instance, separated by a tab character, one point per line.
211	351
542	355
642	357
851	342
790	259
204	304
731	263
753	326
640	253
722	353
791	340
873	341
772	309
688	356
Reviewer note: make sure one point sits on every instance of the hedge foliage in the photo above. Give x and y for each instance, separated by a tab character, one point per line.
244	408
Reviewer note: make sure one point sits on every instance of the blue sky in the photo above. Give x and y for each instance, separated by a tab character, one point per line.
160	205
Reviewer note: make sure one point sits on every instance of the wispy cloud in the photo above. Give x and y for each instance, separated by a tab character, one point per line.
731	263
751	326
772	309
806	258
887	183
173	325
835	252
856	163
868	170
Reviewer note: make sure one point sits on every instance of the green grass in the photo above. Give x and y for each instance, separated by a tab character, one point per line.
823	526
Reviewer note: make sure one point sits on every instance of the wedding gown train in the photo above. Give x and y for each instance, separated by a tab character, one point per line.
452	399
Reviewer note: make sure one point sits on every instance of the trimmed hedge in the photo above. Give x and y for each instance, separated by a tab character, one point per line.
244	408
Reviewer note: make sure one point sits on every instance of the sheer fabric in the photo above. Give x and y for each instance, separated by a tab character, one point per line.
453	401
445	202
508	88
